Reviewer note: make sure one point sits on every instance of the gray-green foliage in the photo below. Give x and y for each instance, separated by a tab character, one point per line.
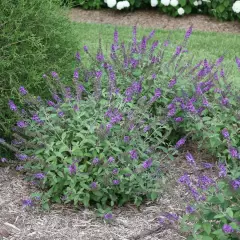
35	37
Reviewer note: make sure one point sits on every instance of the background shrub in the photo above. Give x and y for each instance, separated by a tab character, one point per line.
220	9
36	37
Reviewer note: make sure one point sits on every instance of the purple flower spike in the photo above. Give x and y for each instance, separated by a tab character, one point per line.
179	119
22	124
111	160
39	175
108	216
238	62
227	229
77	56
12	106
207	165
184	180
21	156
54	75
146	129
95	161
133	154
22	90
147	164
188	33
126	139
223	170
233	152
180	142
3	160
72	169
172	83
225	133
178	50
115	171
190	158
85	49
116	182
235	184
76	74
61	114
27	203
93	185
190	209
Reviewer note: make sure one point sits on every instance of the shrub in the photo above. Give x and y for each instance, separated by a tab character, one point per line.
227	10
150	92
216	215
35	37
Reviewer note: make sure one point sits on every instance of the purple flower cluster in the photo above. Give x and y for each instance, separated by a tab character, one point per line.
235	184
72	169
12	106
93	185
233	152
147	164
190	158
157	95
27	202
39	175
172	82
227	229
222	170
114	115
238	62
111	159
95	161
225	133
133	154
22	124
22	90
180	142
116	182
21	156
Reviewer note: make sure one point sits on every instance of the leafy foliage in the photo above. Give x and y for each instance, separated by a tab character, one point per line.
35	37
220	9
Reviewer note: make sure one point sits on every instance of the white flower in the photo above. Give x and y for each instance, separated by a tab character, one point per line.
180	11
174	3
165	2
111	3
105	1
154	3
199	2
236	7
123	4
127	4
195	3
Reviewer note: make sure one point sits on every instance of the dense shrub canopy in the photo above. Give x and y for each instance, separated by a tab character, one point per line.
35	37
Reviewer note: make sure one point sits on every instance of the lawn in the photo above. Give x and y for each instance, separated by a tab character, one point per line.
209	45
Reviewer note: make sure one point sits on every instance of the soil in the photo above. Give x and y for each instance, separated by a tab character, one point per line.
153	19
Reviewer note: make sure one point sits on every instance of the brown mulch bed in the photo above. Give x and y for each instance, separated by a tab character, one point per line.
153	19
67	223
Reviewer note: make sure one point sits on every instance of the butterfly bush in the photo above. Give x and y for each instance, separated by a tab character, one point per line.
102	139
214	212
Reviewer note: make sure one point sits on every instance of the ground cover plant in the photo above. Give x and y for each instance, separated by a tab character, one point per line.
103	139
35	36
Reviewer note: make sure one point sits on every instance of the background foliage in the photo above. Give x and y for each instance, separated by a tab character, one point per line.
35	37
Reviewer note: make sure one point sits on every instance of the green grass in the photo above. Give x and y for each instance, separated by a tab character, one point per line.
202	45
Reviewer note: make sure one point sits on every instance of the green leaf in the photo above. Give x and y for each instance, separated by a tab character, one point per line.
182	2
229	212
154	196
207	227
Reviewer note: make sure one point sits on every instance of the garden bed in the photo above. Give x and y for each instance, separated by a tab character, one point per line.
153	19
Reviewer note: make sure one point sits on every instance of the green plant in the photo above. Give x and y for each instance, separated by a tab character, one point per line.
36	36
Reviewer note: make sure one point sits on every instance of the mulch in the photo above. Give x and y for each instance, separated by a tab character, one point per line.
154	20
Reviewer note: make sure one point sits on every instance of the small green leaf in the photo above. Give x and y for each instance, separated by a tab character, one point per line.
207	227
